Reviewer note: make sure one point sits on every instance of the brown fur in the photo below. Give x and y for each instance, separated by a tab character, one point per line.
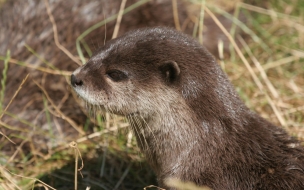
187	117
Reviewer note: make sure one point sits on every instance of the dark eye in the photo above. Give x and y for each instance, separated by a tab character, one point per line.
116	75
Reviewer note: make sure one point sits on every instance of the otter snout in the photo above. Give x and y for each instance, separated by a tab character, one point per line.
76	81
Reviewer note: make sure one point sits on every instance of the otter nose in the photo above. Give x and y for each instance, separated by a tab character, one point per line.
75	82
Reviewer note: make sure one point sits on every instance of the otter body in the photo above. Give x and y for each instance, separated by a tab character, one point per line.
188	119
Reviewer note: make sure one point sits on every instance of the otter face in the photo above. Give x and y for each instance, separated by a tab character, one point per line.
125	78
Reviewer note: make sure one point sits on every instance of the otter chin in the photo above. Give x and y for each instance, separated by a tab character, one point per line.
187	118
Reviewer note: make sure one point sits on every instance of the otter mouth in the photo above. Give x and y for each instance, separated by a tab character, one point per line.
87	96
91	102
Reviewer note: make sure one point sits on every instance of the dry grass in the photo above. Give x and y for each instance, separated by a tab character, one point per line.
268	73
279	69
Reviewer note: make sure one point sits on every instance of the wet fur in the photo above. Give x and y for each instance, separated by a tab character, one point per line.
188	119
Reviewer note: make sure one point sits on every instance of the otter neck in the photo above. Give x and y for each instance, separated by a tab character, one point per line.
168	138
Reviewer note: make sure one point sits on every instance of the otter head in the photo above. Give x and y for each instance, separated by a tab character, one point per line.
135	73
146	71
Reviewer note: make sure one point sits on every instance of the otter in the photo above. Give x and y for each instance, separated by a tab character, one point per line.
187	117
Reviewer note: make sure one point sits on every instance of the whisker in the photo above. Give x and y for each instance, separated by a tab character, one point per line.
147	126
134	129
142	130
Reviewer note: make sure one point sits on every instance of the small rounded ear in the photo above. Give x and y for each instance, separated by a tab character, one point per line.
170	71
